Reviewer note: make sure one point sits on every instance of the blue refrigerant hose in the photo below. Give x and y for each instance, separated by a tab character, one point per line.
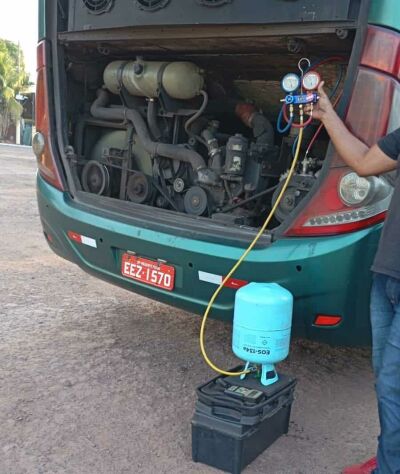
279	122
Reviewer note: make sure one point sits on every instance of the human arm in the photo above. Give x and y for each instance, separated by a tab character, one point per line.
363	160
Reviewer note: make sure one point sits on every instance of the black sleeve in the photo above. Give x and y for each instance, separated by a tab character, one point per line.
390	145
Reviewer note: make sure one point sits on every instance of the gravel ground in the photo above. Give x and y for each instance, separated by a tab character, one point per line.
96	380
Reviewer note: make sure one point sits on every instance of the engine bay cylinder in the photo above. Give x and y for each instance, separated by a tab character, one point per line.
180	80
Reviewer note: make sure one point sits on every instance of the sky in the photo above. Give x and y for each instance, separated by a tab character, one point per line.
19	22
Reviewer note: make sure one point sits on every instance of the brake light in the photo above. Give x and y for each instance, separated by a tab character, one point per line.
42	145
373	110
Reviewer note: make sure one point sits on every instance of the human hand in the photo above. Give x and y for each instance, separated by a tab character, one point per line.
323	108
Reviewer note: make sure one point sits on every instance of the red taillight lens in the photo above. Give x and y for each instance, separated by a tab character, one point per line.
45	156
325	320
370	106
373	110
382	51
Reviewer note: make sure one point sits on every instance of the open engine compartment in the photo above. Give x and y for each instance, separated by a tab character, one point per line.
195	132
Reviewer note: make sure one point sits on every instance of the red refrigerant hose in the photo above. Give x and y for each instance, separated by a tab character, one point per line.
295	125
321	126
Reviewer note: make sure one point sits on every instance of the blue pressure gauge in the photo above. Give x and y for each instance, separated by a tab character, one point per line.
290	83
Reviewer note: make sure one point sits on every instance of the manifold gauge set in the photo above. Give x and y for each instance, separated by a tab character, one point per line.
300	90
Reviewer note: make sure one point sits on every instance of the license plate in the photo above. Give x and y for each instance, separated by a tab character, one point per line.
148	271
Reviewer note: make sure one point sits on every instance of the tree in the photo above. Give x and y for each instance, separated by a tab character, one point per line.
13	78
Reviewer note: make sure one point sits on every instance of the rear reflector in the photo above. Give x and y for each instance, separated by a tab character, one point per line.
49	238
235	283
217	280
326	320
82	239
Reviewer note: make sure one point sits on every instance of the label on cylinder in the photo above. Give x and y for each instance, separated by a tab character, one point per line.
274	346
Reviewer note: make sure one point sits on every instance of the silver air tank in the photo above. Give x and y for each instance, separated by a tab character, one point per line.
180	80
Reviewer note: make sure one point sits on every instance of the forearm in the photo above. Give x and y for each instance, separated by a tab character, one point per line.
363	160
350	148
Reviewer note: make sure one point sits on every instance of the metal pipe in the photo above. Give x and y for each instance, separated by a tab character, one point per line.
100	110
152	120
198	114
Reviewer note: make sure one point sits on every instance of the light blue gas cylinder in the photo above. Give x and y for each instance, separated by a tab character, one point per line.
261	326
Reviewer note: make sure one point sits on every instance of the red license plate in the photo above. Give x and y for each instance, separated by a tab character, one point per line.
148	271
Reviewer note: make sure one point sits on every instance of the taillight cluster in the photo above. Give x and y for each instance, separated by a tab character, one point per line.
41	143
346	202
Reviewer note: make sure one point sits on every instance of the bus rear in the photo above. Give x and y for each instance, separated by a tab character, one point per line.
159	156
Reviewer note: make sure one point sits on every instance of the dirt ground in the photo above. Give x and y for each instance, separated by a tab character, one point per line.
96	380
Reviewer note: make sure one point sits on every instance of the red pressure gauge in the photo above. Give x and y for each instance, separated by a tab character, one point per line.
311	81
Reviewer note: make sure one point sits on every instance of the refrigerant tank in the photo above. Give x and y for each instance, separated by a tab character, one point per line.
262	326
180	80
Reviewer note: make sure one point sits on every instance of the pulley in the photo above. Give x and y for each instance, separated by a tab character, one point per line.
288	203
196	201
179	185
139	188
95	178
162	202
298	188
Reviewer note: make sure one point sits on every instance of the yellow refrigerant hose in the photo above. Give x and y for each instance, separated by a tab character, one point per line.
241	259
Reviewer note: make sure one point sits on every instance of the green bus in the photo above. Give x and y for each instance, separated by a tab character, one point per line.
159	156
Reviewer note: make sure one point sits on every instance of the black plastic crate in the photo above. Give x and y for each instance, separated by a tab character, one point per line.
229	433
